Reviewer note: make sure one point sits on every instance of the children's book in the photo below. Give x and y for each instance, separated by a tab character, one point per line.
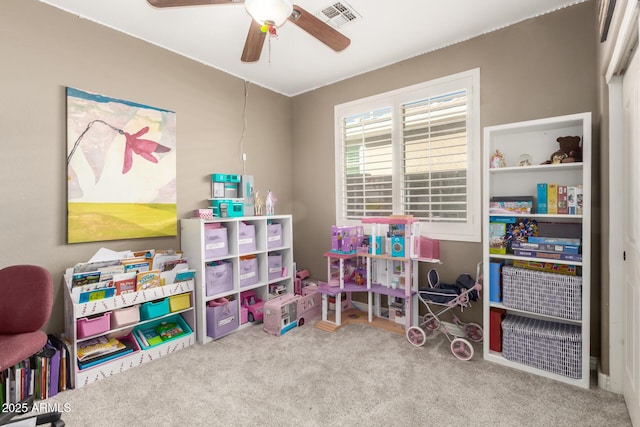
552	198
149	337
147	280
96	294
563	208
124	282
184	275
106	273
572	203
169	330
96	347
579	199
126	349
542	198
137	264
85	278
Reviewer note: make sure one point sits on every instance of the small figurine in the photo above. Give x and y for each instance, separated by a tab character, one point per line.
525	160
497	160
270	203
258	203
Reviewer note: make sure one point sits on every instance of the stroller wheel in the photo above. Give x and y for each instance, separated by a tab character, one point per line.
473	331
462	349
416	336
431	322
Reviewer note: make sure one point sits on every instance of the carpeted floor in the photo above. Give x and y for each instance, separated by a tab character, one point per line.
358	375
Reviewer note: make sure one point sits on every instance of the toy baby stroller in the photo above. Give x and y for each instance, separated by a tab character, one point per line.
448	297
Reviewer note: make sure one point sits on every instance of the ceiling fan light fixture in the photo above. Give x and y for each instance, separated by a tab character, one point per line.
271	12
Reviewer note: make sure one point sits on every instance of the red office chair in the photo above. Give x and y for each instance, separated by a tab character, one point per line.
26	298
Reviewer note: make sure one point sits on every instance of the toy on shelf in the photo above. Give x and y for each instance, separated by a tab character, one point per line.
570	151
270	203
225	195
258	203
254	306
497	160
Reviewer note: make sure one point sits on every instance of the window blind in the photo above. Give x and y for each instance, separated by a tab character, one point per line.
434	158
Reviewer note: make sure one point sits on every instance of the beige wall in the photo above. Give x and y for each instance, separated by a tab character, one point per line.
42	50
538	68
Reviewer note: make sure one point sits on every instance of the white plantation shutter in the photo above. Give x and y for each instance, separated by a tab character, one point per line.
368	164
413	151
434	147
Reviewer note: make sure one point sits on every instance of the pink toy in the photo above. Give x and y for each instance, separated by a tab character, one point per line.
346	239
255	306
297	282
270	203
287	311
309	305
281	314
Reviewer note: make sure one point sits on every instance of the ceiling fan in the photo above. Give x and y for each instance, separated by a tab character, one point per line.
267	16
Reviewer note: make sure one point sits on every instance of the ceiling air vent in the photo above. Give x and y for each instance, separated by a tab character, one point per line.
338	14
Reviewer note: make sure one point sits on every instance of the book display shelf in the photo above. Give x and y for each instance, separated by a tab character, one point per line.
537	248
136	327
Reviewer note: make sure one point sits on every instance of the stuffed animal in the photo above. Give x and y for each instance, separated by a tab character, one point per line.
570	151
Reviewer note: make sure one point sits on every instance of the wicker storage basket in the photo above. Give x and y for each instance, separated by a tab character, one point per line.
550	294
551	346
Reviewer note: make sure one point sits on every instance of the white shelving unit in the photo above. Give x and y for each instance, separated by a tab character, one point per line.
75	311
194	245
538	139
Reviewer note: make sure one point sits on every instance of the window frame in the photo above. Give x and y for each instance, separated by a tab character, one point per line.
469	231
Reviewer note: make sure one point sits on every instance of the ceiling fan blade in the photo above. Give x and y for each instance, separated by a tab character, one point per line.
253	44
318	29
178	3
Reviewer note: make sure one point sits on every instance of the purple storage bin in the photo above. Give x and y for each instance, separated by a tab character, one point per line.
274	235
275	266
222	319
215	241
219	278
246	238
248	271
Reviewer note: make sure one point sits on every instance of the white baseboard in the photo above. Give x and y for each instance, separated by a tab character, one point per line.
604	380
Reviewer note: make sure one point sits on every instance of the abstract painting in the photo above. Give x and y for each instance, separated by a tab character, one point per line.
121	169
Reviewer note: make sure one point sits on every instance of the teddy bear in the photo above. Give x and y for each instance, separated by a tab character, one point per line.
570	151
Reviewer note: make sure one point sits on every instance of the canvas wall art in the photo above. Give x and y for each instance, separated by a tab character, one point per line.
121	169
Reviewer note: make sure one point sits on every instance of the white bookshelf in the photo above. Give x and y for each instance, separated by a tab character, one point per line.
538	139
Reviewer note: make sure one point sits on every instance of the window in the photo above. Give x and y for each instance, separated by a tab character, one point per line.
413	151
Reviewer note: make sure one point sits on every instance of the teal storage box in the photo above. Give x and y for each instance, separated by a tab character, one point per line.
153	309
161	331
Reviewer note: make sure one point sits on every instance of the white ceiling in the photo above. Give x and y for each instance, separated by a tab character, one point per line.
293	63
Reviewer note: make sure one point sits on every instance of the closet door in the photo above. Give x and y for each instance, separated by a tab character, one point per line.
631	233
